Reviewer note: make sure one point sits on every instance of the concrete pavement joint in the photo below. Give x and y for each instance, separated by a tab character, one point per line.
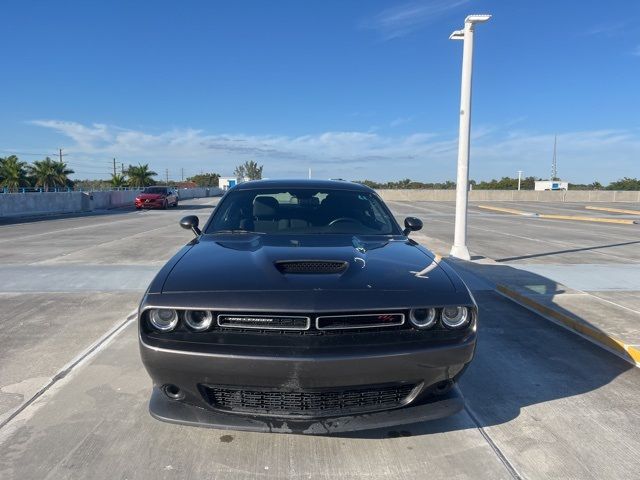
88	353
501	456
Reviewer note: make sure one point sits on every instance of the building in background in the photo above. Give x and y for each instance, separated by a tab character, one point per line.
225	183
551	185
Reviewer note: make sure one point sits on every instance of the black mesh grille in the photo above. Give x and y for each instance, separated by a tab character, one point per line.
311	266
308	403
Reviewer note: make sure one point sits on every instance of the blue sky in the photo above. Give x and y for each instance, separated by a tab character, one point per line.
352	89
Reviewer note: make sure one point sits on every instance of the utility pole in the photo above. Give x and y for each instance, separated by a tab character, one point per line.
167	175
554	162
182	173
61	154
122	169
519	178
114	168
460	249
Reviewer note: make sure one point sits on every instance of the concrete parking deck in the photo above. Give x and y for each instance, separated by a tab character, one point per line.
585	276
542	402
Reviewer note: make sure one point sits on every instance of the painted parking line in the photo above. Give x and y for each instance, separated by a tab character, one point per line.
550	216
613	210
582	218
513	211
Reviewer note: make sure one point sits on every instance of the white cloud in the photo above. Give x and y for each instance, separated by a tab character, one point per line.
401	20
496	151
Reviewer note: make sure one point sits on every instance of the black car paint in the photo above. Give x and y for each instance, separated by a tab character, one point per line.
236	273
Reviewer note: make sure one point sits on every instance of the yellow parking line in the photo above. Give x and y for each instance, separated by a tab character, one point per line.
582	218
613	210
505	210
628	352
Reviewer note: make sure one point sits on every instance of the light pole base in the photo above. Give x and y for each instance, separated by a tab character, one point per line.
461	252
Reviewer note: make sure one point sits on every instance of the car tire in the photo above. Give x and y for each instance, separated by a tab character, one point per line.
165	205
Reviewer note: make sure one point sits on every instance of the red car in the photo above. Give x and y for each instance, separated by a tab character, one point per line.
157	197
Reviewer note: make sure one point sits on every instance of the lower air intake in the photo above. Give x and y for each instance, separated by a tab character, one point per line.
308	403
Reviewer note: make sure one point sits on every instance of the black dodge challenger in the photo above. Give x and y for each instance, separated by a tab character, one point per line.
302	306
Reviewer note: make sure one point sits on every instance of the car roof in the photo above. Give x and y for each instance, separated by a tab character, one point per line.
303	183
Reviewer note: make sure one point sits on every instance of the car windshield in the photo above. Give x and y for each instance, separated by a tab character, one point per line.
155	190
302	211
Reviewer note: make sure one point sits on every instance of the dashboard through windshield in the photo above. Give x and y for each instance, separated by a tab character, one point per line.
302	211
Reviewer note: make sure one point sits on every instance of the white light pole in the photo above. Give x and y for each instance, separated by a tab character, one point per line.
519	178
459	248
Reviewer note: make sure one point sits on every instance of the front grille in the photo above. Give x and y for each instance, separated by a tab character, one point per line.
265	322
309	324
311	266
307	403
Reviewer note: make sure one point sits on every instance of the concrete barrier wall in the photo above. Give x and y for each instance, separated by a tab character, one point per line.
12	204
199	192
50	203
510	196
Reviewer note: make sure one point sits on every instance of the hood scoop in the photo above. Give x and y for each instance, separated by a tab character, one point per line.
311	266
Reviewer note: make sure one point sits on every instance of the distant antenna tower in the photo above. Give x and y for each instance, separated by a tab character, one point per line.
554	162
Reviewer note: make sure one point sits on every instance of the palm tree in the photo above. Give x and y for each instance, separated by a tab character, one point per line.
47	173
43	173
62	174
140	176
118	180
12	173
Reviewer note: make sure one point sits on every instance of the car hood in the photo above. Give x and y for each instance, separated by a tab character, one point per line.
151	196
246	262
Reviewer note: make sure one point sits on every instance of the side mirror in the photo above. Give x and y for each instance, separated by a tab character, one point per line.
412	224
191	222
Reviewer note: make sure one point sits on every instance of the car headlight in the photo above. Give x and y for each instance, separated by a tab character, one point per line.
422	317
198	320
163	319
455	317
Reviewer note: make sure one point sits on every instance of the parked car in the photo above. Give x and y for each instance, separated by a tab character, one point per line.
302	306
157	197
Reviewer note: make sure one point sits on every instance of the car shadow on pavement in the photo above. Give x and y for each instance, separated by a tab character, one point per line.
522	360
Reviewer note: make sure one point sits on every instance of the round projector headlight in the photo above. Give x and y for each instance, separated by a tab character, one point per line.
455	317
163	319
198	320
422	317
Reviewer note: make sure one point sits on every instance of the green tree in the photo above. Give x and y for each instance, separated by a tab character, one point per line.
625	183
250	170
61	174
13	173
43	173
140	175
205	179
118	180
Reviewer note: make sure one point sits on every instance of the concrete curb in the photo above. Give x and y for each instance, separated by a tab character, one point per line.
627	352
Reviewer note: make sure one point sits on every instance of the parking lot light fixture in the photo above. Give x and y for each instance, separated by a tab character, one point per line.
459	249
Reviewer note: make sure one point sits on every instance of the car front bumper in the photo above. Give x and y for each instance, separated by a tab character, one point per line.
159	203
162	408
426	366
